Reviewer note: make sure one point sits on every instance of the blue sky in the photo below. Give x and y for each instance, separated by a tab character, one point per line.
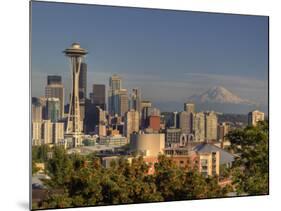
170	55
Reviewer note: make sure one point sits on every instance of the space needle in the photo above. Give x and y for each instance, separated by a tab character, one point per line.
74	126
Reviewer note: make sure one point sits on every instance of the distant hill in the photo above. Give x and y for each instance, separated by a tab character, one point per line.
219	94
218	99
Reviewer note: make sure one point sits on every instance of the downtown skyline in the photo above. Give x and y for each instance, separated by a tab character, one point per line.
169	55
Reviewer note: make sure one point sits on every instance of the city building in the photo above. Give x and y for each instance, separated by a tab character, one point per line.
176	119
54	79
199	127
36	132
136	100
184	122
168	118
254	117
172	136
53	109
132	118
211	124
36	110
58	132
47	132
145	104
115	84
116	140
148	144
154	123
101	130
55	89
82	90
189	108
209	163
123	102
225	158
98	96
223	129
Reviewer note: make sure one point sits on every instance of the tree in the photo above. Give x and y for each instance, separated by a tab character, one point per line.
59	168
40	153
250	169
168	178
35	169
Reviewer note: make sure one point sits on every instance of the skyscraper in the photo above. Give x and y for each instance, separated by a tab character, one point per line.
123	102
211	123
199	127
53	79
136	100
131	122
145	105
254	117
115	84
98	95
55	89
82	89
184	122
53	109
189	107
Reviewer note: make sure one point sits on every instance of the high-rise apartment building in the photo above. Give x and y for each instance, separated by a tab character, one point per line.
47	132
254	117
211	124
132	119
36	132
58	132
55	89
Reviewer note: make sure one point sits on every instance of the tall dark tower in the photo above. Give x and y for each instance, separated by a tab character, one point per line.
82	89
74	127
98	95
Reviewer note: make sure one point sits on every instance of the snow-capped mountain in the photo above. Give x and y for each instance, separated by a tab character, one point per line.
219	94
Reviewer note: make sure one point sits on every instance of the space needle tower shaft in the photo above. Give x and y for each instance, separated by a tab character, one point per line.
74	127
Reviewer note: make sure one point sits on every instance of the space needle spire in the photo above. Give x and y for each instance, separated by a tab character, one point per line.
74	126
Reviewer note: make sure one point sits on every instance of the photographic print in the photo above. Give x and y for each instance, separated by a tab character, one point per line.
137	105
